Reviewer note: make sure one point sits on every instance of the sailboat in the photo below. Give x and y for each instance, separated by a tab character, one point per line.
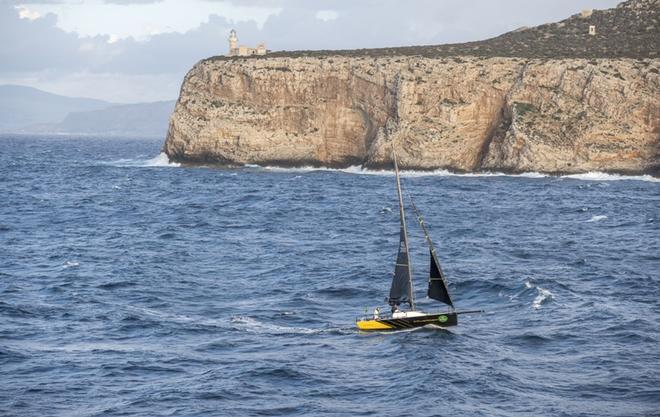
402	290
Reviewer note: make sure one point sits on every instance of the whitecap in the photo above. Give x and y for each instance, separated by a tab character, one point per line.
70	264
161	160
361	170
542	297
293	170
602	176
596	219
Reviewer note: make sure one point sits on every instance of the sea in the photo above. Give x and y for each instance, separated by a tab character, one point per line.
133	286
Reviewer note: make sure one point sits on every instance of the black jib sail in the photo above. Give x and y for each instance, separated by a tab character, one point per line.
437	285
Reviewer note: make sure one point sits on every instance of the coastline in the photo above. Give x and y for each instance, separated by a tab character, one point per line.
652	176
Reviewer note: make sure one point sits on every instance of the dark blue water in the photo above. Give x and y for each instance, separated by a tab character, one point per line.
132	288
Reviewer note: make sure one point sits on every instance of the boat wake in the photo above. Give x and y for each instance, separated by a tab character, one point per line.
252	325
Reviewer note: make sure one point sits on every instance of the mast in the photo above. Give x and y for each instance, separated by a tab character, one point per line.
438	289
404	232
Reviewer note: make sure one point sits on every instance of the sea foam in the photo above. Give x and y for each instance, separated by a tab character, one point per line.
596	219
602	176
161	160
542	296
361	170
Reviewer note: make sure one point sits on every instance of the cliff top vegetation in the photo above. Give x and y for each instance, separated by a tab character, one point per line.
630	30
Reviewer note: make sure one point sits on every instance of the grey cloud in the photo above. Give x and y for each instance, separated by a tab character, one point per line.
17	2
39	45
174	52
370	23
34	45
127	2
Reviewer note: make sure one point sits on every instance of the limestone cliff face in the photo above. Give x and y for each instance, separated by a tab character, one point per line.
465	114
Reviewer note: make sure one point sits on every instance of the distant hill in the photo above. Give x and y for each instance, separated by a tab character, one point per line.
29	110
143	119
630	30
23	106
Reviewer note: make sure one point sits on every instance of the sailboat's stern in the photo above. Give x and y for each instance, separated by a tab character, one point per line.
373	324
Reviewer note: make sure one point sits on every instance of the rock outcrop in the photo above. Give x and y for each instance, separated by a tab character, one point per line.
463	113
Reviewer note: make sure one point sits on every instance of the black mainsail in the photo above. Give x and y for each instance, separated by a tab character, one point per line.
402	286
437	284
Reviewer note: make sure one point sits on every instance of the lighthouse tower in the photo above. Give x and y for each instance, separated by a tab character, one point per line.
235	50
233	43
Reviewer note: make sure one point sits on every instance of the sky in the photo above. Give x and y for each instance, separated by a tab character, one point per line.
139	50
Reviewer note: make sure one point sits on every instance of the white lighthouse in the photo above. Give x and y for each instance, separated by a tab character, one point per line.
235	50
233	43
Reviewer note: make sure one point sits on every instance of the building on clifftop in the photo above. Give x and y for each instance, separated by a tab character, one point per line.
235	50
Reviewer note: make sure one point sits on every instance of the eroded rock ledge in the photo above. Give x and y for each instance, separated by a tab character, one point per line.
461	113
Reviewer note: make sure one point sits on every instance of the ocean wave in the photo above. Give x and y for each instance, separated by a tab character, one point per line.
602	176
594	219
542	296
70	264
361	170
116	285
161	160
12	310
8	355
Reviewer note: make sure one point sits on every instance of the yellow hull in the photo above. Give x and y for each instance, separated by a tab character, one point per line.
373	325
409	322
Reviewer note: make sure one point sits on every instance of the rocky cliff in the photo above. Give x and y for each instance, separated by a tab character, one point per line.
462	112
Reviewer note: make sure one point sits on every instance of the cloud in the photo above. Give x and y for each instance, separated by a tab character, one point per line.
141	19
26	13
127	2
36	48
327	15
124	2
29	45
